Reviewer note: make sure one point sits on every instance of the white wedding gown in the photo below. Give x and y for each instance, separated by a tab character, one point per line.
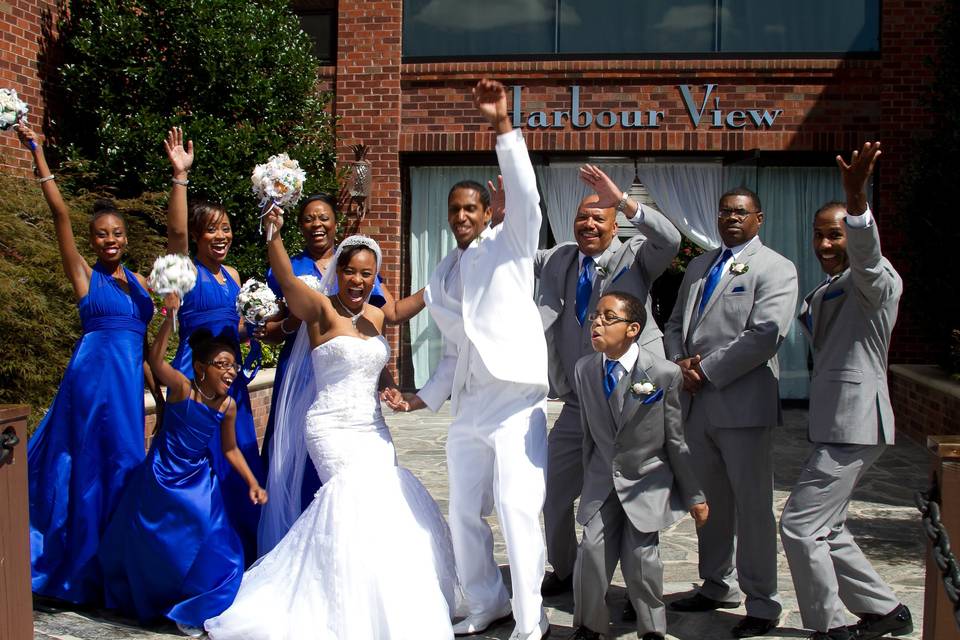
371	557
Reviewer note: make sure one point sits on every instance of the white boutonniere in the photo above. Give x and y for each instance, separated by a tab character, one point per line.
644	388
739	268
601	271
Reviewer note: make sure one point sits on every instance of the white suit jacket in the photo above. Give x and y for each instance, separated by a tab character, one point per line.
498	321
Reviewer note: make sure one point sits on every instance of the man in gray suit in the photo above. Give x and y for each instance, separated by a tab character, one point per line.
638	477
733	310
848	319
573	276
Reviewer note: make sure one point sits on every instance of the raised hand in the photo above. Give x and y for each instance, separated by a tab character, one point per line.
856	175
490	97
498	201
26	134
180	155
608	192
273	217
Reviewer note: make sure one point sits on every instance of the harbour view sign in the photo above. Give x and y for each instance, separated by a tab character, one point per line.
707	112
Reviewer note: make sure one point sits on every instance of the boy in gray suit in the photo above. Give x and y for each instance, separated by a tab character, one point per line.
848	319
638	477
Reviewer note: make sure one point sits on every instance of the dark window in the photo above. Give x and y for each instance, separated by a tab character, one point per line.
318	20
503	28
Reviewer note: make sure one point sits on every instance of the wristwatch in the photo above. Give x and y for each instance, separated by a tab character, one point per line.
623	202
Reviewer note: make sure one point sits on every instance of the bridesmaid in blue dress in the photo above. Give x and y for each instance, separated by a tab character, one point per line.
169	550
81	454
211	305
317	221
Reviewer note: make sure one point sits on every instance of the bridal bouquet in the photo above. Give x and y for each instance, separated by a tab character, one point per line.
256	302
279	182
12	110
173	273
311	281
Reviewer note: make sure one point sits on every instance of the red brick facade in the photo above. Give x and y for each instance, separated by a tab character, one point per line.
926	402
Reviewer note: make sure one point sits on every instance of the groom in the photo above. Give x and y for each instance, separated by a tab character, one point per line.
494	369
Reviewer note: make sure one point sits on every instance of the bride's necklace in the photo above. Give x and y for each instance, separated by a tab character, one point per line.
354	317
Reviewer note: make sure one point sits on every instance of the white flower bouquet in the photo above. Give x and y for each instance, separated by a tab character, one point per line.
173	273
12	110
311	281
279	181
256	302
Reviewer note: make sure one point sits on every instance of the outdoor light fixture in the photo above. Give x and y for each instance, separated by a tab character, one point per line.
360	180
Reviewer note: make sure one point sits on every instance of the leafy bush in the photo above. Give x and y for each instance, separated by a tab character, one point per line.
238	76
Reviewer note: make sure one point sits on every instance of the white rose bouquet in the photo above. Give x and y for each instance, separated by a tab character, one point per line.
311	281
12	111
256	302
278	182
173	273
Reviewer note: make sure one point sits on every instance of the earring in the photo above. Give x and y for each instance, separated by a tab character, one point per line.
203	376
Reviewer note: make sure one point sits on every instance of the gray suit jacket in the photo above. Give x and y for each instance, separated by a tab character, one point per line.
635	448
738	334
631	267
852	319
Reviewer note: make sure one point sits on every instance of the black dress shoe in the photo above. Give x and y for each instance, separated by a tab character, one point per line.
837	633
653	635
898	622
750	626
555	586
629	613
698	602
582	633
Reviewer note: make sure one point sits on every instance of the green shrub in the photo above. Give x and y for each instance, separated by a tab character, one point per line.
238	76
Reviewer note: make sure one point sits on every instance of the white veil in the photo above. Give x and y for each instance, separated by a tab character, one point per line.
298	389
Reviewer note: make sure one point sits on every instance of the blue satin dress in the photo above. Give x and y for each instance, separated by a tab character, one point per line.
170	550
212	305
81	454
303	265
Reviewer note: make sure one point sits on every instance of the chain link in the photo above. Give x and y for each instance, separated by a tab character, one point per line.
929	505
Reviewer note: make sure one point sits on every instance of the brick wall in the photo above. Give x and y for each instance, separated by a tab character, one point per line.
926	402
23	67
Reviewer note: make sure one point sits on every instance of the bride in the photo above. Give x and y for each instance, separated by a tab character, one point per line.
371	557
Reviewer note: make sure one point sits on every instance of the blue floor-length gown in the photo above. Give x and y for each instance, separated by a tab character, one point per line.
170	550
303	265
81	454
212	305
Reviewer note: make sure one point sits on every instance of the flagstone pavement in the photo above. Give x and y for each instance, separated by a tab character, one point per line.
882	517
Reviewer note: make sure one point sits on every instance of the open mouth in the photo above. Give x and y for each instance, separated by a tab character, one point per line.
354	295
219	248
319	234
111	251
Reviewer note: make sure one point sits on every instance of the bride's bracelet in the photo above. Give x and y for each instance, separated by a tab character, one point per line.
283	327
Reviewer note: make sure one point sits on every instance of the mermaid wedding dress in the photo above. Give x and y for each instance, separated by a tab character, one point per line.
371	557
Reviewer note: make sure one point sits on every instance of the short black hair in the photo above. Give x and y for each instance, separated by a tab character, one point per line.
326	198
201	212
833	204
743	191
204	344
105	207
632	306
474	185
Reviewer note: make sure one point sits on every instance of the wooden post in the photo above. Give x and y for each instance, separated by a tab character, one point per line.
939	622
16	603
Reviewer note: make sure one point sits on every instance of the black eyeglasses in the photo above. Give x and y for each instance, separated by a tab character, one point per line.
739	214
223	365
606	320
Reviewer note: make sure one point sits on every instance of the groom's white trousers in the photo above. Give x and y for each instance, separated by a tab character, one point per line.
496	455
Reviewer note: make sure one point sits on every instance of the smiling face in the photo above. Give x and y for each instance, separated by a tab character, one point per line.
466	215
739	220
612	331
213	236
830	240
355	278
108	237
593	228
318	224
217	373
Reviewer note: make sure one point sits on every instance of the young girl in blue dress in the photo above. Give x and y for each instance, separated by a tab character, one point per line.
169	550
82	452
212	305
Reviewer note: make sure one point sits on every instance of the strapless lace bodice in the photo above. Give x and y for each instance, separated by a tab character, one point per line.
345	423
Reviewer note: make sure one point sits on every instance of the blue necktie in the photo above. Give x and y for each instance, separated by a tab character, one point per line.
610	378
713	279
584	289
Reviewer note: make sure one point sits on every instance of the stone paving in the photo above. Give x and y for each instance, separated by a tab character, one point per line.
882	517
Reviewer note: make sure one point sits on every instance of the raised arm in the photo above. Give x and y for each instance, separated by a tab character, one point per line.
177	384
74	265
397	311
228	442
181	159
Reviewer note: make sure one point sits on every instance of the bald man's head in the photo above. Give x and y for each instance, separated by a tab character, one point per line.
593	228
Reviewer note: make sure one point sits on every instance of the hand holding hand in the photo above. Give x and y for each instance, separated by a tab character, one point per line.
490	97
401	402
258	495
700	513
181	157
608	192
498	201
856	175
692	374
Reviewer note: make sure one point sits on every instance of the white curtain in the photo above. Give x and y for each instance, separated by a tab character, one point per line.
562	190
430	240
687	193
789	197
